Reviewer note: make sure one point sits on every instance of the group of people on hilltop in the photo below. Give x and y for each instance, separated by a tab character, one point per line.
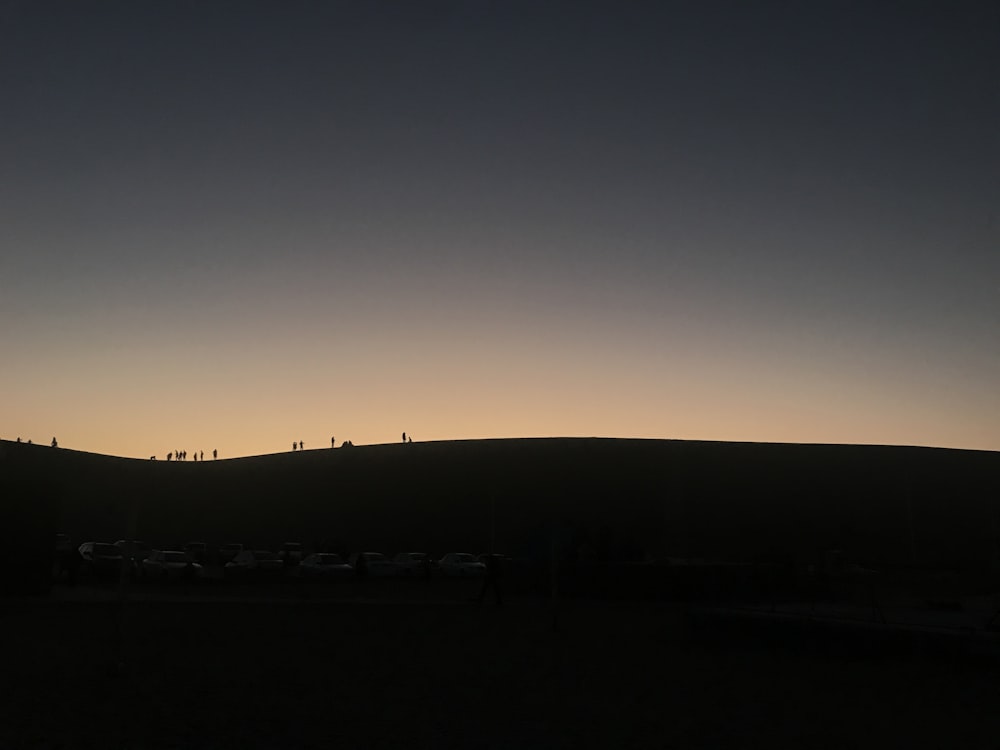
55	443
182	455
298	445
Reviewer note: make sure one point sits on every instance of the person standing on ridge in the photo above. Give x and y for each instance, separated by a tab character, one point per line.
404	437
295	446
302	445
202	457
333	443
215	453
55	443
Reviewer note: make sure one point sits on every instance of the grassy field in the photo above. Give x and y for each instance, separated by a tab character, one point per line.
455	675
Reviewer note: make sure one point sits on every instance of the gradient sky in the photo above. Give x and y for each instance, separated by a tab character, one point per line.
237	224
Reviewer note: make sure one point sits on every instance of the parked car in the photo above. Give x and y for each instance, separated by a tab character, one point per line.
170	565
254	563
411	563
228	552
457	564
324	565
101	559
373	564
197	551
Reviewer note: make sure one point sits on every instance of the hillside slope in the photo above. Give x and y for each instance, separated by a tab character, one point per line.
620	498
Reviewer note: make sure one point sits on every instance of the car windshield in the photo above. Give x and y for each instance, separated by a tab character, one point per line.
175	557
464	558
374	556
107	550
330	560
265	555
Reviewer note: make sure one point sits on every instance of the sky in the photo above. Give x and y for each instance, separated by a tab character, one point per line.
235	225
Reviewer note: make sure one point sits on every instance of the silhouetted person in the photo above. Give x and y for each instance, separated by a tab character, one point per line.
332	442
73	564
29	441
295	446
170	456
215	453
404	437
196	455
492	578
152	458
19	439
302	446
202	457
409	439
55	443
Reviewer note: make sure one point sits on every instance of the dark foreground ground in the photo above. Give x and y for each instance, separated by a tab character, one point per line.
446	673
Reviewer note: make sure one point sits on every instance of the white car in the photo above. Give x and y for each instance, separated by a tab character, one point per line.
461	564
170	565
373	564
324	565
255	562
411	563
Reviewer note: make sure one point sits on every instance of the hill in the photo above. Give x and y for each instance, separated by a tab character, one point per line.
619	499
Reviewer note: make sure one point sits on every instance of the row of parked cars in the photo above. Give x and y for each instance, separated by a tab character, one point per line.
235	561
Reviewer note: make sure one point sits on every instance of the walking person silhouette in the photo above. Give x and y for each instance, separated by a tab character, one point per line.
492	578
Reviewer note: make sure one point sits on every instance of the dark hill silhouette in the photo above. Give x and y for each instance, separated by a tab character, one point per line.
621	499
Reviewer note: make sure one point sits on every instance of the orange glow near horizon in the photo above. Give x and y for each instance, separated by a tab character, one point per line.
131	403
